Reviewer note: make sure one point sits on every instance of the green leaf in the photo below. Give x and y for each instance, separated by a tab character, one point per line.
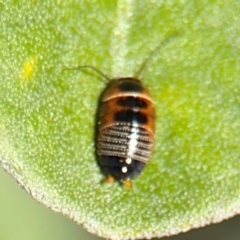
48	112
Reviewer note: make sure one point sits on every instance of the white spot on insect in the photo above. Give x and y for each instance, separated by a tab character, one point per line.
124	169
128	160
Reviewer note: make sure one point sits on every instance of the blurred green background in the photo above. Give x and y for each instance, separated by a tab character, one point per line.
24	218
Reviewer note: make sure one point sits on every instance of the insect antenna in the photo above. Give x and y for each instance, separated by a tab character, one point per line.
152	53
107	79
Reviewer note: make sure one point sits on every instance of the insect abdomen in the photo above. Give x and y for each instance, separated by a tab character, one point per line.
126	129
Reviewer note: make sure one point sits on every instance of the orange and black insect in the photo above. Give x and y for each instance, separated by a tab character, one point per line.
126	125
125	128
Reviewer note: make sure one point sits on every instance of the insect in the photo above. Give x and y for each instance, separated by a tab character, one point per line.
126	129
126	126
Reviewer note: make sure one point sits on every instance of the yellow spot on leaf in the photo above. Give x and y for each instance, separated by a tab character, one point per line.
28	68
